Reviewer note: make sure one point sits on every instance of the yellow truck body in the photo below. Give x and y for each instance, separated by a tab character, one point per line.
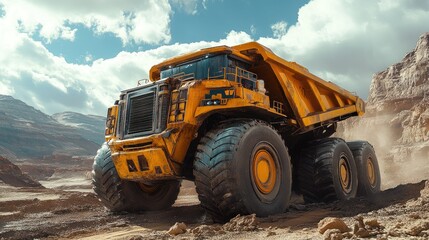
244	124
293	96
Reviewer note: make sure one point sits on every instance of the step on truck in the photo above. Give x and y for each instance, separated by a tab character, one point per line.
246	126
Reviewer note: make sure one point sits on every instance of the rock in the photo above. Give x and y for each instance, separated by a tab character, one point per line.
373	223
205	230
382	237
362	232
402	82
12	175
271	233
347	235
177	228
332	234
418	227
360	222
332	223
394	233
242	223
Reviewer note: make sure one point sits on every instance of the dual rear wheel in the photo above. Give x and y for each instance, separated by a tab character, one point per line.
331	169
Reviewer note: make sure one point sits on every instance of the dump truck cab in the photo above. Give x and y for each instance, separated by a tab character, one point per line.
163	130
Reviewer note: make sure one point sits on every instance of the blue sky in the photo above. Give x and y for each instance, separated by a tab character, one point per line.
78	55
210	22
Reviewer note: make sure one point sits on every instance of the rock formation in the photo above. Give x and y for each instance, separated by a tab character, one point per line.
397	117
10	174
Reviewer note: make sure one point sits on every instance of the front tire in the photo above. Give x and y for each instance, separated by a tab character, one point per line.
119	195
242	167
327	171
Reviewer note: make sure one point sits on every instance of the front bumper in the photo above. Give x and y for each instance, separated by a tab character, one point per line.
143	165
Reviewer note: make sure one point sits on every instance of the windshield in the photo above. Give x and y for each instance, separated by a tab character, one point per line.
213	67
208	67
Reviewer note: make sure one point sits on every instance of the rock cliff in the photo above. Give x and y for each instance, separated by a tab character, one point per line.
397	117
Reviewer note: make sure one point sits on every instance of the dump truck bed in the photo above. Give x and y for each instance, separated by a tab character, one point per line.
306	99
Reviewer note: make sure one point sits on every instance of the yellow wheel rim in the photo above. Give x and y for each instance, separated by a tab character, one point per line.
264	171
345	175
371	172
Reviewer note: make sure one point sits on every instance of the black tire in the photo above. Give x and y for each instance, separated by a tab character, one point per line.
228	165
319	174
119	195
367	166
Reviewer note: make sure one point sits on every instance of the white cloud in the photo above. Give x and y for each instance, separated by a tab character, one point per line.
341	41
131	21
188	6
6	88
252	29
49	83
348	41
234	38
88	58
204	3
279	29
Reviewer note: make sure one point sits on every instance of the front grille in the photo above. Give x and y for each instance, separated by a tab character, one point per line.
141	113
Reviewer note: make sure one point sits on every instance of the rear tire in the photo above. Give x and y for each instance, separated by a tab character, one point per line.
242	167
367	166
119	195
327	171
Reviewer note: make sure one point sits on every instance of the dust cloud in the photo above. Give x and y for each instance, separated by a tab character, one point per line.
400	161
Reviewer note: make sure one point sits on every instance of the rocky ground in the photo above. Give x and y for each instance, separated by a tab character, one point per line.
67	209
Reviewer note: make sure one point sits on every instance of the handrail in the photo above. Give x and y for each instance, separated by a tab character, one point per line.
183	76
239	74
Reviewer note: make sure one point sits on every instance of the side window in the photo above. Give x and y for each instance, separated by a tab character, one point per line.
188	68
216	65
166	73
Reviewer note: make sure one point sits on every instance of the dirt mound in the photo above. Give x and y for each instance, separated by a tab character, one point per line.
11	175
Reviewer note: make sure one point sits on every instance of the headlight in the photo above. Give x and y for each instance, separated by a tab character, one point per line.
213	102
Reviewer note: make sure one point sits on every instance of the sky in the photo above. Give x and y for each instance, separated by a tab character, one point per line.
62	55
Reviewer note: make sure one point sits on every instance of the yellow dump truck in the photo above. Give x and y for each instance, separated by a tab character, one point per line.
245	125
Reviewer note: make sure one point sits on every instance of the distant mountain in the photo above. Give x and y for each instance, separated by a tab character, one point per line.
26	132
90	127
